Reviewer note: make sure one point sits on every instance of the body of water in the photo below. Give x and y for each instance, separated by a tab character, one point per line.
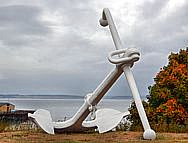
60	108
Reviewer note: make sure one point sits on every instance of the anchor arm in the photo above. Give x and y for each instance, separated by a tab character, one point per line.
43	117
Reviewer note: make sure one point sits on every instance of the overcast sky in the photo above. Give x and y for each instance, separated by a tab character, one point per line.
58	46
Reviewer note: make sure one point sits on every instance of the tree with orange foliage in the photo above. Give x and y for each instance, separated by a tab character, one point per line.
167	105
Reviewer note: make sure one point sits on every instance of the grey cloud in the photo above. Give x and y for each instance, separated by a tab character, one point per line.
67	54
54	83
152	9
156	36
21	25
156	33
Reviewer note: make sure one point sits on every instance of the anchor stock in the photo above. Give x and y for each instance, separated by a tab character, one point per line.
107	20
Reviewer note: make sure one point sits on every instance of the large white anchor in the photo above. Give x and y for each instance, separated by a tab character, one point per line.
105	119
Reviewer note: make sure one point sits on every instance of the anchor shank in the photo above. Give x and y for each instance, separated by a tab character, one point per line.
105	85
95	97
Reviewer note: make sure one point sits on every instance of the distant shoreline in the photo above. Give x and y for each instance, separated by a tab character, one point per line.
56	97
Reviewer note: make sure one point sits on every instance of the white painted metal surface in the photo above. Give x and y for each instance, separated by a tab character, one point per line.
106	119
43	119
107	20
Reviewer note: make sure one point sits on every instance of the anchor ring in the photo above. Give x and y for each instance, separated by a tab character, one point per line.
129	56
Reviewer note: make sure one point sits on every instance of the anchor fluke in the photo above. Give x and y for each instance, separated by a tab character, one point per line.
106	119
43	119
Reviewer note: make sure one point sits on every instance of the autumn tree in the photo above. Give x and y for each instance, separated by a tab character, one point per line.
167	105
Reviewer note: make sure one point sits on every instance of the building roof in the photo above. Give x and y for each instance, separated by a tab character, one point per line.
6	103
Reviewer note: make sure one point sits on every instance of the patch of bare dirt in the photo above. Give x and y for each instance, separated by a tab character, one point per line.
116	137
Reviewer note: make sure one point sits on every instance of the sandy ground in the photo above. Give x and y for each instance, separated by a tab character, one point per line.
116	137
